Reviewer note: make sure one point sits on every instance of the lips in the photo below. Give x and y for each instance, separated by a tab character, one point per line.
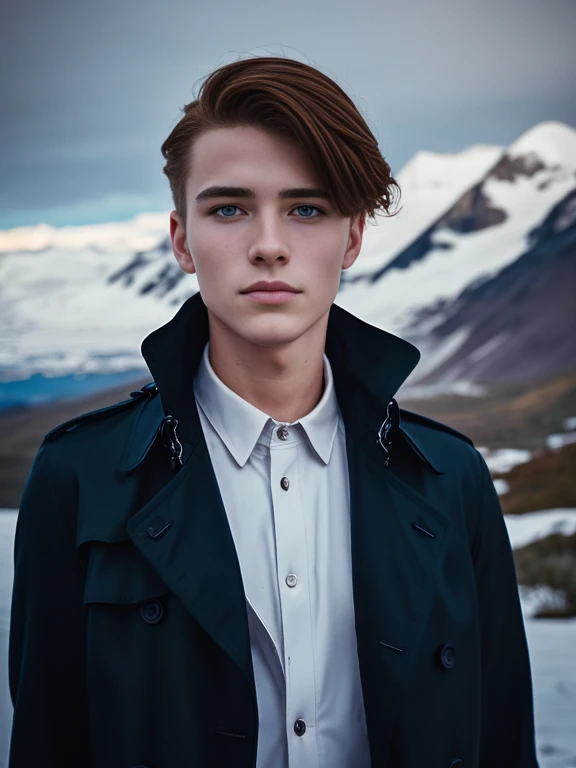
275	285
274	292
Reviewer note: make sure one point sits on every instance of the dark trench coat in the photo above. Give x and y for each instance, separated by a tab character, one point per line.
129	642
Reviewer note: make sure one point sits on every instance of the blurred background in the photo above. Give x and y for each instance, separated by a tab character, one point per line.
474	107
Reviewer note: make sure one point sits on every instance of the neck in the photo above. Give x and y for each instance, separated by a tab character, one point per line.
285	381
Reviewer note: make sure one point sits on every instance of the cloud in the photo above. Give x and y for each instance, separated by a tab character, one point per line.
92	89
109	208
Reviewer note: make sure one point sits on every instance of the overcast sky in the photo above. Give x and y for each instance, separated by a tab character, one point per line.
89	90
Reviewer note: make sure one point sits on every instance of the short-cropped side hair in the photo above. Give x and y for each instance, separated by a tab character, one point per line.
296	100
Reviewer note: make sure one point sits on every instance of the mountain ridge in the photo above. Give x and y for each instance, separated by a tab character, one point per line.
81	299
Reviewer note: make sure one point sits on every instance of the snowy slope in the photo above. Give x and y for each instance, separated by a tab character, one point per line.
487	228
62	311
430	184
516	325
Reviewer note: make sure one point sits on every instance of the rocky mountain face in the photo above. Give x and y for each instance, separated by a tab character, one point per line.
151	273
520	323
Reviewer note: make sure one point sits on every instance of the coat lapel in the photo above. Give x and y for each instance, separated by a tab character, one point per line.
184	534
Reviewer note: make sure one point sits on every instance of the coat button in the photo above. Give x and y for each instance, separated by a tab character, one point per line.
285	483
448	657
152	611
300	727
455	762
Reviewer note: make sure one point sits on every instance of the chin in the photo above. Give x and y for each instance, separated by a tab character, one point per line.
271	332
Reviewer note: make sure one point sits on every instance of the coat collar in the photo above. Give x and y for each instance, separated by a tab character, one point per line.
368	366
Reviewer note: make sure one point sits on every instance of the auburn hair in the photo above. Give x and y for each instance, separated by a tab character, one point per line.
296	100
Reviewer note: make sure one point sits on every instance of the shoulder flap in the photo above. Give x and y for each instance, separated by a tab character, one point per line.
149	390
427	422
423	441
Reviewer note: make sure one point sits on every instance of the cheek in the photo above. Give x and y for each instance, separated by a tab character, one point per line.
219	280
213	263
326	268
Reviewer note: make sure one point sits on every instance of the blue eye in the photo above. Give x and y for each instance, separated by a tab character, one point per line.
312	208
304	205
223	206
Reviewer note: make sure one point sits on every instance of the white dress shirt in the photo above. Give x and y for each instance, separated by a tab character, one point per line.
286	495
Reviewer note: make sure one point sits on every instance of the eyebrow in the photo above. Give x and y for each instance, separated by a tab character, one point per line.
220	191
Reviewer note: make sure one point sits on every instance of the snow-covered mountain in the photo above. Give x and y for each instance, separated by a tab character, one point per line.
519	213
430	183
476	235
476	268
518	325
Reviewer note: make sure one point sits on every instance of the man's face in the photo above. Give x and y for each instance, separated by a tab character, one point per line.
235	240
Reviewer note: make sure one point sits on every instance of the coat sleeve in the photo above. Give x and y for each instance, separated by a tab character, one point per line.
507	738
46	655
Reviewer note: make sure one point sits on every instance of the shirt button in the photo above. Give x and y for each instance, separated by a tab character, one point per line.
300	727
282	433
291	580
285	483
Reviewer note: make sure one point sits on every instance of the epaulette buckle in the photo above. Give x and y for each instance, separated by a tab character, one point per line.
149	389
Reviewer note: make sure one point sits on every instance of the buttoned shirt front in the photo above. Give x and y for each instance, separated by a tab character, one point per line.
285	491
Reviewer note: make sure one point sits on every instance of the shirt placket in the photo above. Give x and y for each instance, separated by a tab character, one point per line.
293	580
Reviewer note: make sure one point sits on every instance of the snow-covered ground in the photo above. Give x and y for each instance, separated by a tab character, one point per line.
532	526
504	459
551	643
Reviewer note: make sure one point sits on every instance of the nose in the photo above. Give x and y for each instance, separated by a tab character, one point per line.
269	244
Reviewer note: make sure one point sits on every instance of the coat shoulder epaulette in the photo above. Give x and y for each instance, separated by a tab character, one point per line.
433	424
148	390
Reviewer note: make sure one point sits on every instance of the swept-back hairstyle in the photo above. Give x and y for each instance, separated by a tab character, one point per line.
295	100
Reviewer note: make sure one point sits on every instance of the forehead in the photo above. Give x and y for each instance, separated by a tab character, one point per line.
245	154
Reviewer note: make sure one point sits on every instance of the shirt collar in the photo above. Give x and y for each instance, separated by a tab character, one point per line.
368	364
240	424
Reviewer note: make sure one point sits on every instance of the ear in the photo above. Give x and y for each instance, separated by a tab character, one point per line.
179	243
354	239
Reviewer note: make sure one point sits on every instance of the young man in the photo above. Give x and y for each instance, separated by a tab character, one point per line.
258	560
